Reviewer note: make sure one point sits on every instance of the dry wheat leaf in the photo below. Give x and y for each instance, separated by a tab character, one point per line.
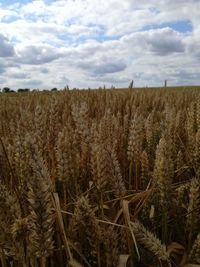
126	213
175	248
74	263
123	259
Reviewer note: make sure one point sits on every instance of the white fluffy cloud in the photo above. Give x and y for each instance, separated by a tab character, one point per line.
93	42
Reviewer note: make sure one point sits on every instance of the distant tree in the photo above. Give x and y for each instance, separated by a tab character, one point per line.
6	90
21	90
131	85
54	89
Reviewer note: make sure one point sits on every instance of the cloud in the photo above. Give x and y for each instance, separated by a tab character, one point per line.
32	83
2	81
34	55
192	43
6	48
102	67
164	41
6	65
187	76
19	75
44	70
6	14
2	69
159	41
90	42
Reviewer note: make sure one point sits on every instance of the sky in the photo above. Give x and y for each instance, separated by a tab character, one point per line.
92	43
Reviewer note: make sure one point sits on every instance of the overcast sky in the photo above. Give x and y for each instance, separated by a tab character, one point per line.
89	43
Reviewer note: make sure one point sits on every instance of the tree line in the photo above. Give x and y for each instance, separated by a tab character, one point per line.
21	90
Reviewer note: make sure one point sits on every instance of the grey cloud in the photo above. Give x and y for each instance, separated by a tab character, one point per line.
34	82
21	76
2	69
111	67
192	43
165	42
61	81
186	77
8	63
102	68
6	48
112	79
160	41
35	55
31	83
82	51
2	81
98	59
44	70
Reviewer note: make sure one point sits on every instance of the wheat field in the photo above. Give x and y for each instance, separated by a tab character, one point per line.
100	178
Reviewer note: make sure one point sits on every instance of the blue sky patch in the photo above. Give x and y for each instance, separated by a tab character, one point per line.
103	38
12	2
179	26
9	19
